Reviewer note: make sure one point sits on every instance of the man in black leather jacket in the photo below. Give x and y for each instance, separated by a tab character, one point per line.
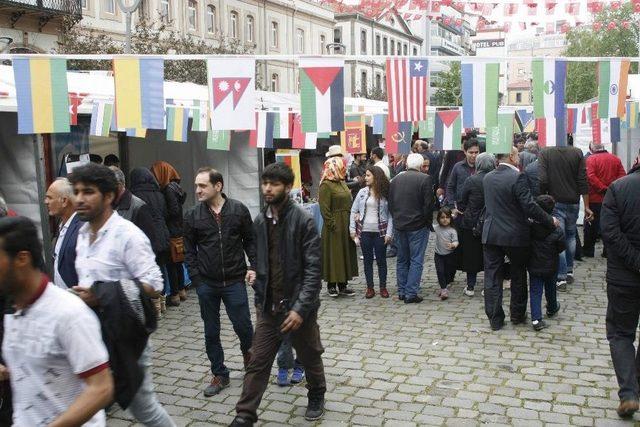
287	294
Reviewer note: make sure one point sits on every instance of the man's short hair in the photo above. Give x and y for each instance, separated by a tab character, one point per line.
18	234
378	152
414	161
278	172
95	174
111	160
532	147
214	176
119	175
470	142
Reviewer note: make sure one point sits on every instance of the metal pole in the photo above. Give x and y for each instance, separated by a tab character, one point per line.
128	10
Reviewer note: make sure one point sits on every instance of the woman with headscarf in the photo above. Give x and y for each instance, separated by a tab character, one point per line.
471	204
339	259
169	182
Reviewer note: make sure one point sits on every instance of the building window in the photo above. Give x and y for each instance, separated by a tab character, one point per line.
164	10
250	26
393	47
415	51
378	44
233	30
192	14
274	34
405	49
300	40
518	97
363	83
110	6
363	42
385	50
337	35
378	82
83	3
211	19
399	49
275	82
323	43
392	22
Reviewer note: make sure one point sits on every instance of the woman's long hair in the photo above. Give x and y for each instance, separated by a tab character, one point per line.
380	186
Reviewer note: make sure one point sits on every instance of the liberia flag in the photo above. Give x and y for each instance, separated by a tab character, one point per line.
407	89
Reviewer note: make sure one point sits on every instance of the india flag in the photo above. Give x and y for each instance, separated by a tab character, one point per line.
322	94
549	77
612	89
101	117
177	124
480	94
448	130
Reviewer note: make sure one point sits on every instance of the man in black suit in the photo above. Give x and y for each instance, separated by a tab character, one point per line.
60	204
506	233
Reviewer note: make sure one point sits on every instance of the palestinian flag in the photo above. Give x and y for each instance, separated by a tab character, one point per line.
322	94
448	130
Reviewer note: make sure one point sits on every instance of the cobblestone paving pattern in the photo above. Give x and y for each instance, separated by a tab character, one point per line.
435	363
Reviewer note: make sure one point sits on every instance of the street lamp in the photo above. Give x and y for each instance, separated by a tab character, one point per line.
5	42
128	10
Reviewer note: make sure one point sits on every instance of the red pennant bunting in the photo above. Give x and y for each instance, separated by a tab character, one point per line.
597	26
551	7
510	9
611	26
615	5
636	6
572	8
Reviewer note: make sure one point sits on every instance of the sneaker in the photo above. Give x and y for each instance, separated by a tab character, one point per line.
469	291
218	384
298	375
538	325
384	293
444	294
315	409
283	377
627	408
370	293
561	285
239	421
344	290
414	300
401	297
569	278
482	292
332	291
551	314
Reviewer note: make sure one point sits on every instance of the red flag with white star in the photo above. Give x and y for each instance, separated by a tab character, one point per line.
231	93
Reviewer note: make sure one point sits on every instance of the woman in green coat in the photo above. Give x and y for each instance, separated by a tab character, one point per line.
339	259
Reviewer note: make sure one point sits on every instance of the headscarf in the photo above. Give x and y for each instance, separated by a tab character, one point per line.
334	169
164	173
485	162
141	179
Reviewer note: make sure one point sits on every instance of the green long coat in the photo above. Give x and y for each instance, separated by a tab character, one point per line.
339	258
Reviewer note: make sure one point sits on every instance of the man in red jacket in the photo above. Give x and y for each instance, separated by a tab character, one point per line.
602	169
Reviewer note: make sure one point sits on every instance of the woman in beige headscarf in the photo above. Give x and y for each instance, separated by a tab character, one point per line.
339	259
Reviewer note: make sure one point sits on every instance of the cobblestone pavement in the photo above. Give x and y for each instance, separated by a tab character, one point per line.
433	363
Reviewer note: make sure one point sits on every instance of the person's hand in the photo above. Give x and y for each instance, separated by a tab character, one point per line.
356	240
250	277
292	322
439	192
588	215
450	245
387	240
455	212
556	222
86	295
4	373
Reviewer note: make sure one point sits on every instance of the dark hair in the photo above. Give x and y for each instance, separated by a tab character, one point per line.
95	174
278	172
378	152
533	136
502	156
214	176
471	142
546	202
444	211
19	234
380	182
95	158
111	160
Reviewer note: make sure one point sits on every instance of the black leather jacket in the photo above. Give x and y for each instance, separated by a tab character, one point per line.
300	254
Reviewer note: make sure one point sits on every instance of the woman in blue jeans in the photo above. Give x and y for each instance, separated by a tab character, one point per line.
371	227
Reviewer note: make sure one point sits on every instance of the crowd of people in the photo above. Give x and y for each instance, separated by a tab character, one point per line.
78	340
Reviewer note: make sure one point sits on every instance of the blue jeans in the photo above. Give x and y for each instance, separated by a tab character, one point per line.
371	243
411	248
536	285
236	304
568	216
285	356
145	406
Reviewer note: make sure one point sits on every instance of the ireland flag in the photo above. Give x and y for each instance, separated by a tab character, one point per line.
480	94
322	94
612	92
448	130
548	88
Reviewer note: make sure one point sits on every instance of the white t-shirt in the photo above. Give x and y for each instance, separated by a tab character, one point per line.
384	168
48	348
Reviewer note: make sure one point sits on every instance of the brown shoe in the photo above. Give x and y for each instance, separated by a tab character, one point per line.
370	293
218	384
173	301
182	293
627	408
384	293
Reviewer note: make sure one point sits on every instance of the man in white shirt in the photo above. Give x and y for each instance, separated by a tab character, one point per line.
59	203
377	154
110	248
52	346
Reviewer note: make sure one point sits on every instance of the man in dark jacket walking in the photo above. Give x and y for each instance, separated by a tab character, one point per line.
218	232
460	172
621	235
506	232
287	295
562	174
411	204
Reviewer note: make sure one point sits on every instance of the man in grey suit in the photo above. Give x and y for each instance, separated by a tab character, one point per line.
506	233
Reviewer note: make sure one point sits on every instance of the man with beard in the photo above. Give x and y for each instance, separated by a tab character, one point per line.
111	249
287	294
56	360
